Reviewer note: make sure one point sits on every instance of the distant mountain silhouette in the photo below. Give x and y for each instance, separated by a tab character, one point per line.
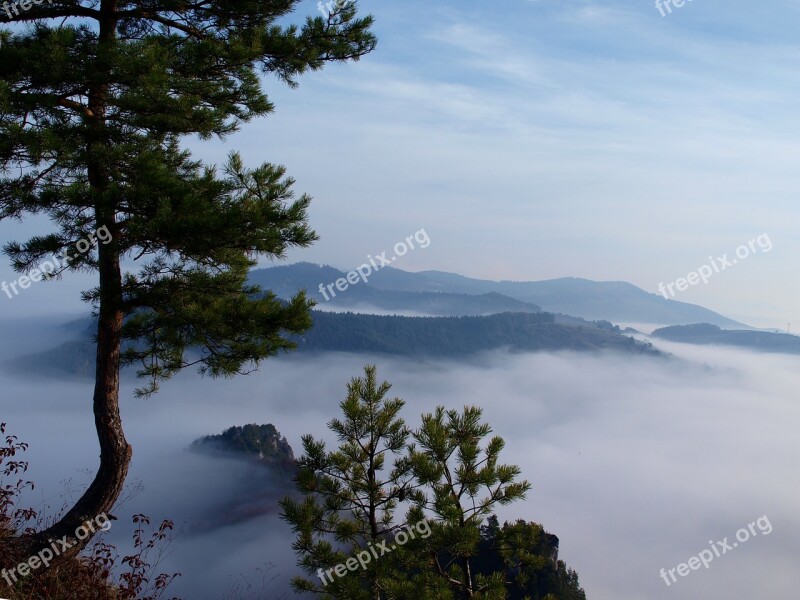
592	300
705	333
285	281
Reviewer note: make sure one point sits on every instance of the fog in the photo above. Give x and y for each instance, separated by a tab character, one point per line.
636	462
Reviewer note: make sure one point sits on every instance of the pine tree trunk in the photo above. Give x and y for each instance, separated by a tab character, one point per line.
115	452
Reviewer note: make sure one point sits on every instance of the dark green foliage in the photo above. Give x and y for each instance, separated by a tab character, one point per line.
448	545
458	484
528	556
95	100
351	493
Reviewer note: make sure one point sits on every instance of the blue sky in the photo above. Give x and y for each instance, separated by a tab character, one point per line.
535	139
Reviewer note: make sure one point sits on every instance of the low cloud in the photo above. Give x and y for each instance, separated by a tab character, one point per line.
635	462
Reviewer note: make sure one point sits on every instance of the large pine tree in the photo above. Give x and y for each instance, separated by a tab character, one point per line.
96	98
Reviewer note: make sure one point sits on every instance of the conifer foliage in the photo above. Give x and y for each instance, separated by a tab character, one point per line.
96	99
394	513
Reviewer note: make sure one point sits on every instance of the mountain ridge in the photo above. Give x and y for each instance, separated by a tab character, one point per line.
616	301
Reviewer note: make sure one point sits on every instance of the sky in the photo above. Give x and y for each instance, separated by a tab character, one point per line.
542	139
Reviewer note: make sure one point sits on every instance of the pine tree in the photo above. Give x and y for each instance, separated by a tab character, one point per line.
446	474
351	493
458	484
96	97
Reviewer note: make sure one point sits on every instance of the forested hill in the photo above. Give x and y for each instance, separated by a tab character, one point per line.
705	333
444	337
460	336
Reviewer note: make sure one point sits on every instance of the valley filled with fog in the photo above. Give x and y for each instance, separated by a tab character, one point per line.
636	462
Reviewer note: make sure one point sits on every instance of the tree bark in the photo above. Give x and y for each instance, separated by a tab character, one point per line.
115	452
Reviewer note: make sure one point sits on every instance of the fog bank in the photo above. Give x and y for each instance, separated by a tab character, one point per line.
636	463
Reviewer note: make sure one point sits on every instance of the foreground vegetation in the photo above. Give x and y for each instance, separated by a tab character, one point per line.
402	514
